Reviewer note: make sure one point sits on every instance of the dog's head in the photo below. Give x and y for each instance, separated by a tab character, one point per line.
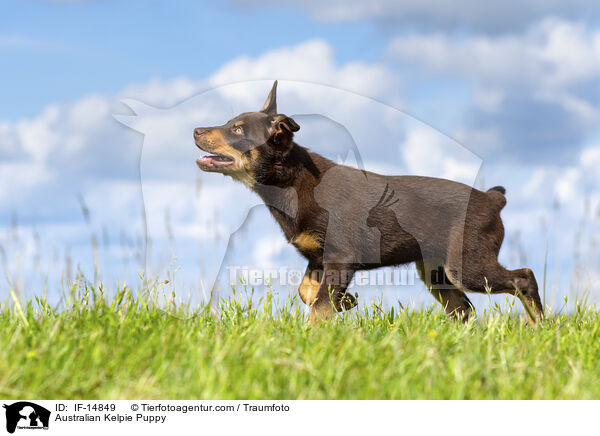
236	147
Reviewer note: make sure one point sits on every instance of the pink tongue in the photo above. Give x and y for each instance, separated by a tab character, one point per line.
211	160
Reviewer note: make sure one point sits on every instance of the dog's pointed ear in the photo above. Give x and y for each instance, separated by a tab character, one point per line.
288	124
282	131
270	106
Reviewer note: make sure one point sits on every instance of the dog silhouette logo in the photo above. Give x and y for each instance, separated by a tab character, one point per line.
26	415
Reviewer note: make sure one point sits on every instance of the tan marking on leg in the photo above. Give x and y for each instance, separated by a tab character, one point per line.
308	289
322	307
307	241
321	312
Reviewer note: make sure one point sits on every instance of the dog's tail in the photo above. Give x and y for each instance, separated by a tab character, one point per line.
497	195
500	189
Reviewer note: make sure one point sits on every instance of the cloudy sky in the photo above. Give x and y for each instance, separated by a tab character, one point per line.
99	99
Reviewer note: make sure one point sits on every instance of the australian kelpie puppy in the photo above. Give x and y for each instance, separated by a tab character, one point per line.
343	219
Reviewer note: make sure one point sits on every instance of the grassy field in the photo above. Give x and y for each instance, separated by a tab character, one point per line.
127	347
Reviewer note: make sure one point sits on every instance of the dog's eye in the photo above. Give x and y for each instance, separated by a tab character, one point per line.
237	130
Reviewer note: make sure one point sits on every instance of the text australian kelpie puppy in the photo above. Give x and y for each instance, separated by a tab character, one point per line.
343	219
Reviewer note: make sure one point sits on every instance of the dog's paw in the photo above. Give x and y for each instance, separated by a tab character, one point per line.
345	301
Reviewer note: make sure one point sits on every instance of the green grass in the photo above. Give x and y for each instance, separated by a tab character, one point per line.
125	347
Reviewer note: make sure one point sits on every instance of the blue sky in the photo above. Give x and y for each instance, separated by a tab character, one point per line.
59	51
517	86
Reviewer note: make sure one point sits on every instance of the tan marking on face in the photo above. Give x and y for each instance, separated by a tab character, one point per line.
308	289
217	144
254	155
240	170
239	123
307	242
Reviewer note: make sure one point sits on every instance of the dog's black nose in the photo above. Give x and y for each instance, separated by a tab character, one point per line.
199	132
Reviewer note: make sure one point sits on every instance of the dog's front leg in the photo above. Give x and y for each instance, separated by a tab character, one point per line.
311	283
331	295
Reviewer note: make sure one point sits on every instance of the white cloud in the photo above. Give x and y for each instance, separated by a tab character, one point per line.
427	154
533	92
551	53
566	185
535	183
266	249
590	157
489	100
499	17
158	92
312	61
581	178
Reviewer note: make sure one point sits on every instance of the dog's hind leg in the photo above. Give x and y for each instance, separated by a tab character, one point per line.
455	302
487	275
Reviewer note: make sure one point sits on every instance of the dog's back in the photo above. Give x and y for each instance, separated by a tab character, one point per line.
416	208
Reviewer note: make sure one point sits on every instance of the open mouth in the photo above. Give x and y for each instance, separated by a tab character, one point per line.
214	162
